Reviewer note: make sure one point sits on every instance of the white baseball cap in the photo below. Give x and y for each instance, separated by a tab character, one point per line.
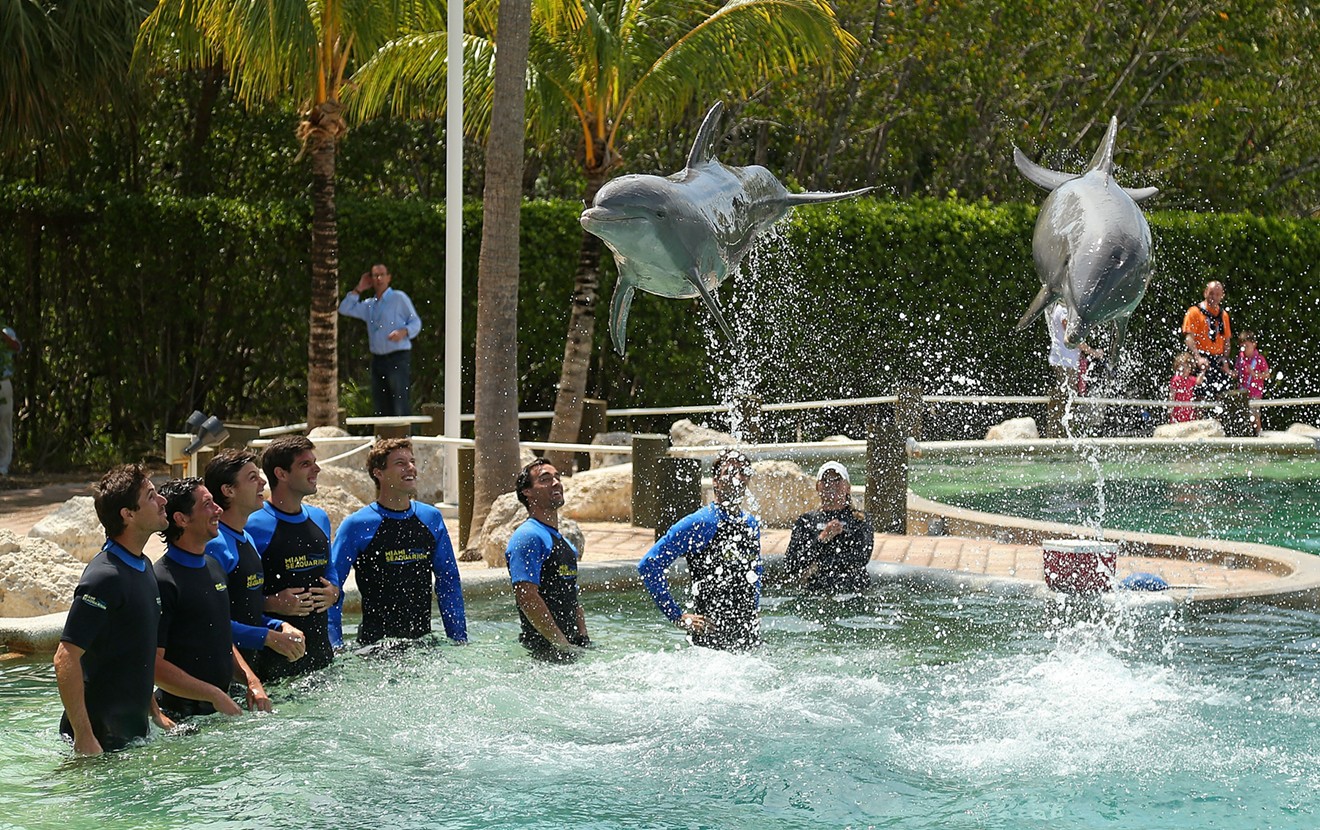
833	466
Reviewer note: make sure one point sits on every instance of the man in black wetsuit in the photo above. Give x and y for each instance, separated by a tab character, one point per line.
239	490
543	569
402	553
294	542
830	547
196	659
107	654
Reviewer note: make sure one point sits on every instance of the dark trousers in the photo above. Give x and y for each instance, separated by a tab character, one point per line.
390	375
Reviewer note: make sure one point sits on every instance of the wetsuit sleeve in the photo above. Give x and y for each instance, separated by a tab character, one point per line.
760	563
688	534
219	550
169	598
248	636
344	551
90	612
861	541
526	552
261	527
798	556
448	588
352	306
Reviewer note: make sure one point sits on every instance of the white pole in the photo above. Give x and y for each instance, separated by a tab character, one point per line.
453	246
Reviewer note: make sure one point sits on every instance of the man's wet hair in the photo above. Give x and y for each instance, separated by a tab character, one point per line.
379	455
730	456
524	480
119	489
223	469
179	496
281	452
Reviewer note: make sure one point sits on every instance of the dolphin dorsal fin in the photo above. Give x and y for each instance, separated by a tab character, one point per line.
703	147
1042	177
1103	160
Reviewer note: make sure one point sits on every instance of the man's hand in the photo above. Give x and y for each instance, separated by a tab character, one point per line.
291	602
397	335
364	283
696	623
324	595
224	704
832	528
288	642
86	744
257	701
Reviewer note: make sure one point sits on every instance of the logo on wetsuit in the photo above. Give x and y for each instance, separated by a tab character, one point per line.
255	581
395	556
302	562
96	603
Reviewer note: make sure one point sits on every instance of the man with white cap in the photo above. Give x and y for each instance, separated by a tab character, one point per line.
830	547
722	545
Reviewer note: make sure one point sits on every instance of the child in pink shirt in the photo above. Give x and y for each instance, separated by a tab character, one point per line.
1252	370
1182	388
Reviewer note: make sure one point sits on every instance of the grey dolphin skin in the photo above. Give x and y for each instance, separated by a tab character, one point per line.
1091	245
680	236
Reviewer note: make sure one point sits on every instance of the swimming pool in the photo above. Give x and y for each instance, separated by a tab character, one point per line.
1270	499
900	708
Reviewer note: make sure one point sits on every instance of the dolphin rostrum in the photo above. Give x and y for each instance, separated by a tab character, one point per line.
680	236
1091	245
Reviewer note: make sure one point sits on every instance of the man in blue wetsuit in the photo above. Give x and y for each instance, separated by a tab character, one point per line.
294	542
398	546
722	545
236	484
196	659
392	323
106	658
543	569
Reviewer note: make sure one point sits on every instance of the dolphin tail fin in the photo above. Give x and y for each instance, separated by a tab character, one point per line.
619	305
1042	177
1103	160
711	306
703	148
1136	194
816	197
1043	299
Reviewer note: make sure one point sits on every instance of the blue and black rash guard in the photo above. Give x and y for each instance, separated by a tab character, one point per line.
538	554
238	557
295	553
395	554
723	554
115	619
194	625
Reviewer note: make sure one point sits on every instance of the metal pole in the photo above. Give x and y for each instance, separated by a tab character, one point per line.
453	246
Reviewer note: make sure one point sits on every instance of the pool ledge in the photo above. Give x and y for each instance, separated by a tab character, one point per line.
1205	572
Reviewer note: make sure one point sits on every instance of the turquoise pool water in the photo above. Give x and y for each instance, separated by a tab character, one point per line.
896	709
1271	500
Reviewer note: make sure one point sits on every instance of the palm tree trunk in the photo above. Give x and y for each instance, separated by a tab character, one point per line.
322	130
496	405
578	345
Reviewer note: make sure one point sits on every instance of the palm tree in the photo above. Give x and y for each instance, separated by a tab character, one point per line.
595	68
275	50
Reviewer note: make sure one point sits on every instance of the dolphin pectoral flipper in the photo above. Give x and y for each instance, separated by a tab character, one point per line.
1136	194
619	305
1043	298
816	197
711	306
1042	177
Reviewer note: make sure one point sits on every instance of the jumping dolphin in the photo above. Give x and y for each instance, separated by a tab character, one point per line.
1091	245
680	236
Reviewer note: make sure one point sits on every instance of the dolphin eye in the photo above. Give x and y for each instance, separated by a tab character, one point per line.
660	214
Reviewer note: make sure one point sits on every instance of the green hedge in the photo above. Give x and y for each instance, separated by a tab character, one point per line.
137	310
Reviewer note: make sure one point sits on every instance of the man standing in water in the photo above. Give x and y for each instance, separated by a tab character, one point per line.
543	569
830	547
239	490
723	549
398	546
294	542
196	659
106	658
392	323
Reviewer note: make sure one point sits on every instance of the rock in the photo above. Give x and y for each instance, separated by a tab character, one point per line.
780	492
504	517
835	439
430	472
327	432
1201	428
526	456
336	502
1014	429
74	527
684	433
1304	429
37	576
611	439
599	495
355	482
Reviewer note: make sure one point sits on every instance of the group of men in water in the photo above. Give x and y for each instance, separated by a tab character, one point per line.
250	589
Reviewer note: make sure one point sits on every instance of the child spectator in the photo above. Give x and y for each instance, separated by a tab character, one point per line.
1252	370
1182	387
